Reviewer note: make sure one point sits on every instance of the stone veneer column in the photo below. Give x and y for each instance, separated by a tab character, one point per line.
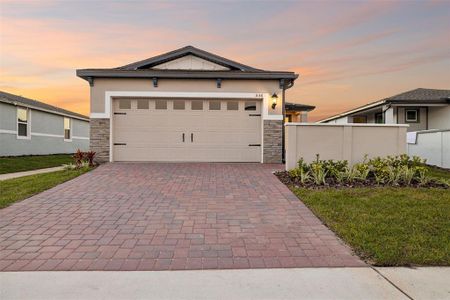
272	152
99	139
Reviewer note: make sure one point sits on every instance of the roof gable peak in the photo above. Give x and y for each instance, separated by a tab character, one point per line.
186	51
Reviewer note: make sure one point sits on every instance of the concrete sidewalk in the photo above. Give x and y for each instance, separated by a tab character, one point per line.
28	173
305	283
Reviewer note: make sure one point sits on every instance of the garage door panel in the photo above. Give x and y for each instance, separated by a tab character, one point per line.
157	135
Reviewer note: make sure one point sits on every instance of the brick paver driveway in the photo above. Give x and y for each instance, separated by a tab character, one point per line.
163	216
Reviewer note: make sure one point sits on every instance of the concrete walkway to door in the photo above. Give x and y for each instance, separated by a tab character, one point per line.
167	216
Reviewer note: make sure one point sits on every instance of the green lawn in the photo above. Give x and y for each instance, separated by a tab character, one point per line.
27	163
387	226
13	190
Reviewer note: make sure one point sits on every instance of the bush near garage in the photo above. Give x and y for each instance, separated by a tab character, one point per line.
401	170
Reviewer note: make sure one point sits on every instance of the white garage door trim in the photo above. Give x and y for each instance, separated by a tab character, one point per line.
110	94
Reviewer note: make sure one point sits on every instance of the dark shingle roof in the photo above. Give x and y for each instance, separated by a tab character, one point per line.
298	107
144	68
421	95
19	100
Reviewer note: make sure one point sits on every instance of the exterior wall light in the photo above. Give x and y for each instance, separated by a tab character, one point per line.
274	100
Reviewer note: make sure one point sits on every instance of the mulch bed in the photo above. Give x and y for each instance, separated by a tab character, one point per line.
285	178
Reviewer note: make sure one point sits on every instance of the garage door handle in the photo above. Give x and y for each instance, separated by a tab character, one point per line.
120	113
254	115
120	144
183	137
192	137
254	145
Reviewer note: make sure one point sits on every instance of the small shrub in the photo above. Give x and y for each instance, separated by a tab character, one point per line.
89	156
407	174
78	158
69	167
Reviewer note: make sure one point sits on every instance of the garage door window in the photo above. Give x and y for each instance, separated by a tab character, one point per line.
197	105
178	104
161	104
125	104
142	104
232	105
214	105
250	105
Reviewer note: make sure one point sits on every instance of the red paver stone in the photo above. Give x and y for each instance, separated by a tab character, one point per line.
167	216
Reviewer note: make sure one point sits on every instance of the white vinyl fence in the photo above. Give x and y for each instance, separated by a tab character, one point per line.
433	145
349	142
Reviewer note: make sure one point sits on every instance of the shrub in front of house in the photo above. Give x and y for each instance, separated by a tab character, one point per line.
81	160
400	170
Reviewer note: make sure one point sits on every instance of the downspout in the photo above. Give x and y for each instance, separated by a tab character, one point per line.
283	111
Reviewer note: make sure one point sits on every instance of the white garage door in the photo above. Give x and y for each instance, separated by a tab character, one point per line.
186	130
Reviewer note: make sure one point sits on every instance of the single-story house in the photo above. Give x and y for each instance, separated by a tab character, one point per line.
296	112
421	109
30	127
187	105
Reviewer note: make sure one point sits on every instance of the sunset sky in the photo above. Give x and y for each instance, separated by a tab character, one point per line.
347	53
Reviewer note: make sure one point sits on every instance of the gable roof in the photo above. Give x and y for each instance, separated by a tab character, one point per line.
416	96
144	68
37	105
188	50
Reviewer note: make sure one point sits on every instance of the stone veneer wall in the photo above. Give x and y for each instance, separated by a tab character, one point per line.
272	152
99	140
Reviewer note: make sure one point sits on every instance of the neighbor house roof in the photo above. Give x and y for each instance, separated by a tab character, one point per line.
37	105
144	68
417	96
298	107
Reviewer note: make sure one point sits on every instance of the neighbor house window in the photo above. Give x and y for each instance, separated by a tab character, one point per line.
67	131
250	105
22	122
197	104
142	104
412	115
232	105
125	104
214	105
178	104
379	118
160	104
360	119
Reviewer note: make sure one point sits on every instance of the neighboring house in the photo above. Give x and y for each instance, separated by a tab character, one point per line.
187	105
295	112
421	109
30	127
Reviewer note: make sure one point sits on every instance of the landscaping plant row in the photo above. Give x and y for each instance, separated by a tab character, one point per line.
400	170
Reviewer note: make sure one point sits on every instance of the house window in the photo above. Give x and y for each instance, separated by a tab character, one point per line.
232	105
125	104
412	115
197	104
142	104
67	129
379	118
160	104
250	105
214	105
178	104
22	122
360	119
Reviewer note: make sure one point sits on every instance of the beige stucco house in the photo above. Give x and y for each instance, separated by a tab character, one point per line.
187	105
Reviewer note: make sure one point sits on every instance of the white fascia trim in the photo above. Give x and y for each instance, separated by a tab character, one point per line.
80	138
47	135
231	95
